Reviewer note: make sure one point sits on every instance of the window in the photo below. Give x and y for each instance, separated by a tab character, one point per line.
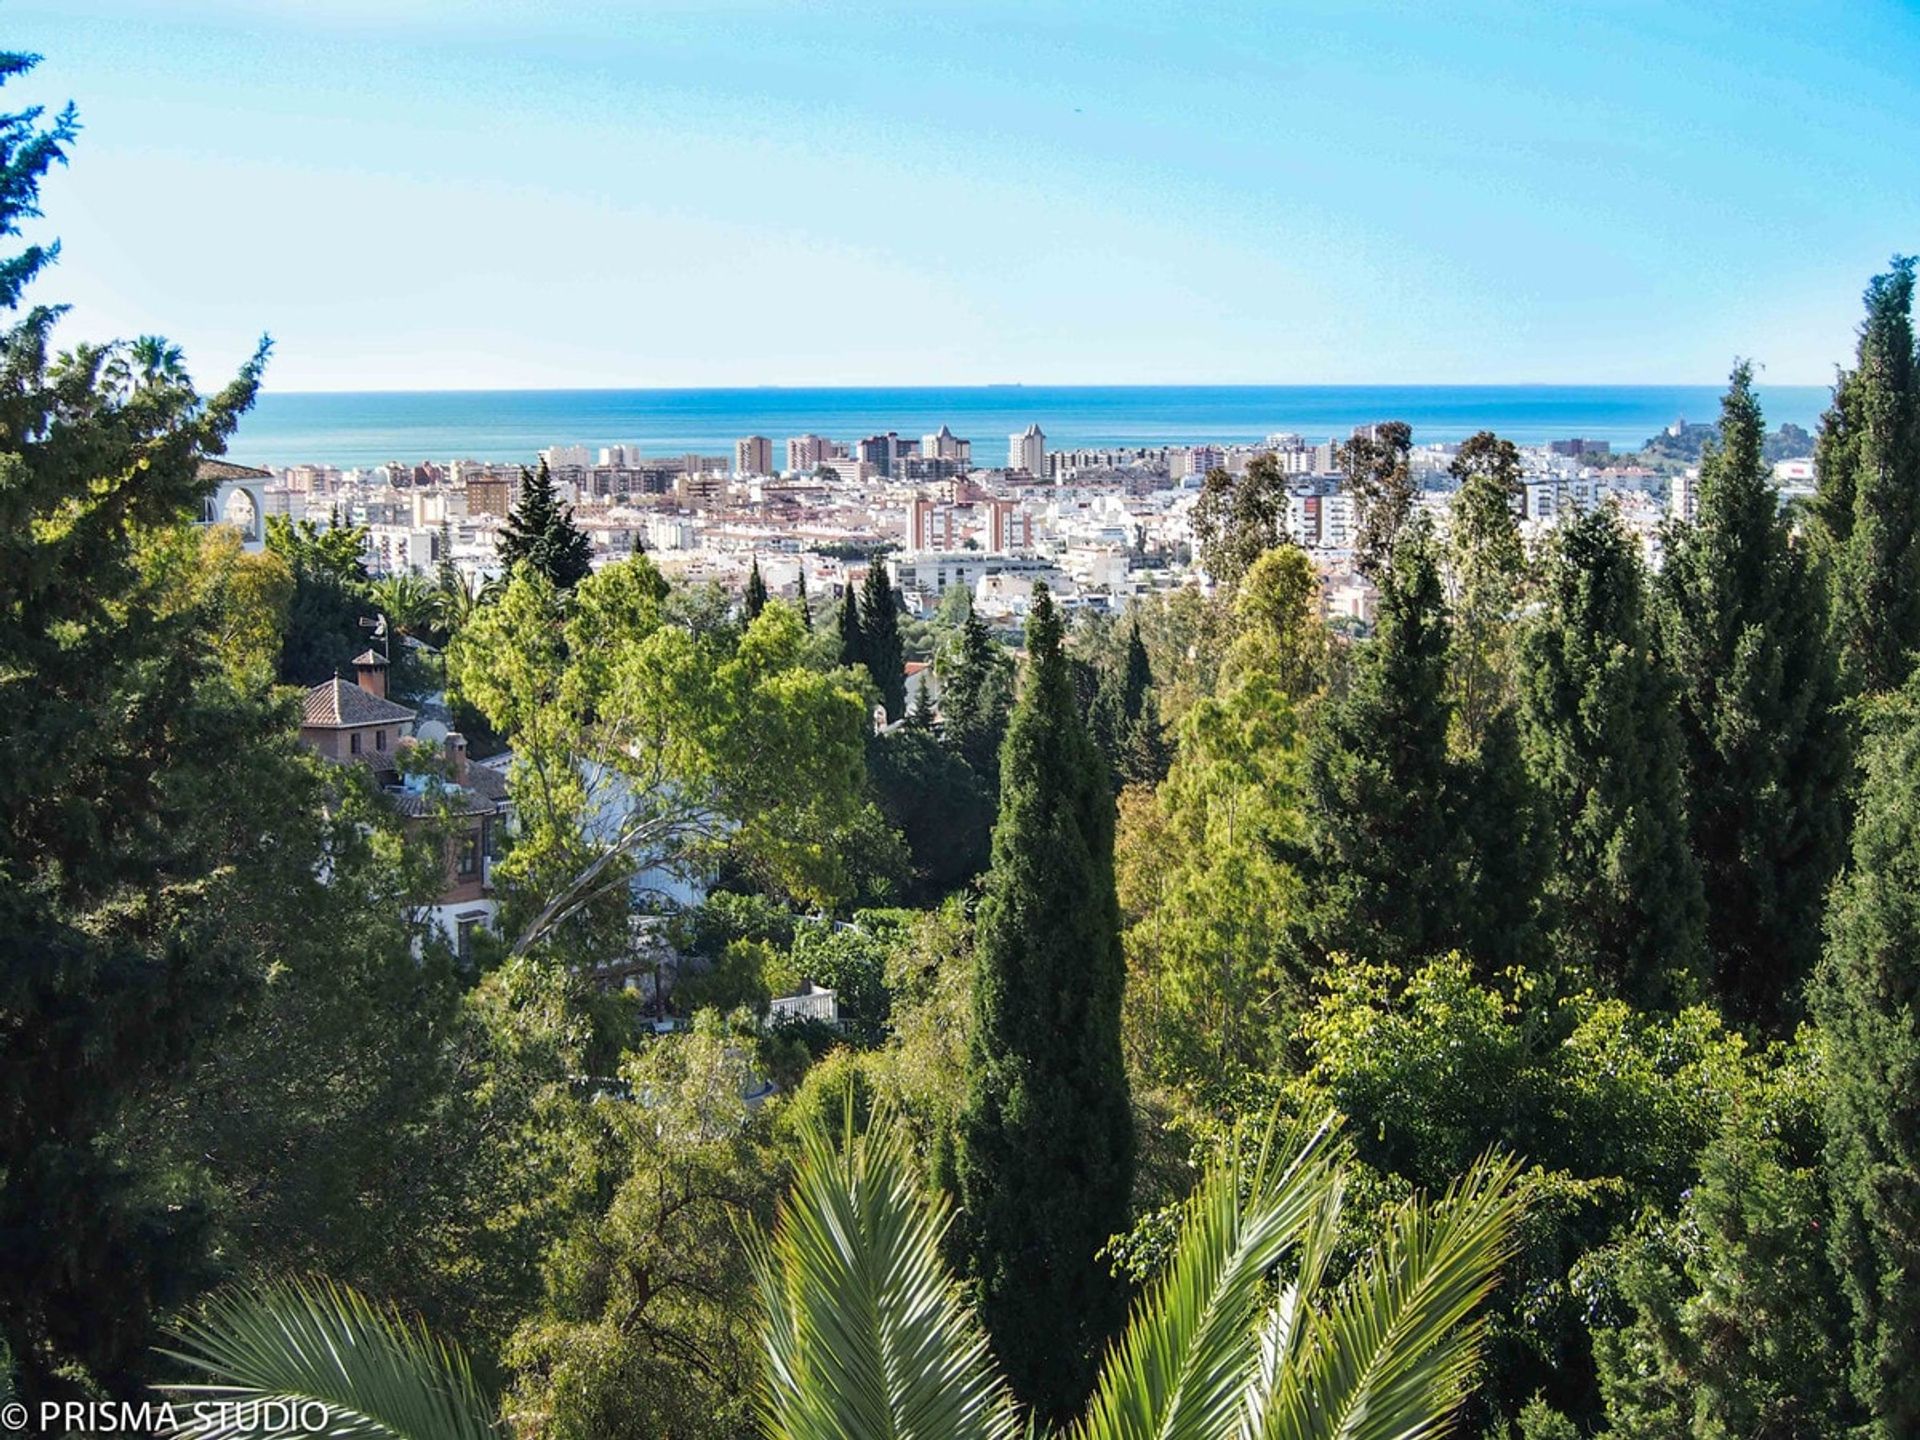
379	739
463	938
353	743
470	854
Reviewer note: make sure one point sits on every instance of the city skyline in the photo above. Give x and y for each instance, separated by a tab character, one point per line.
556	196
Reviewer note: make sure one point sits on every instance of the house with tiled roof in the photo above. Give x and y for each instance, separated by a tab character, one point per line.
355	723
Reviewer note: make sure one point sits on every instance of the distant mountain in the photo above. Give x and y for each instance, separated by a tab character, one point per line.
1681	444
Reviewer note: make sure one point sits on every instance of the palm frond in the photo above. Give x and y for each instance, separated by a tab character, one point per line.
308	1343
866	1333
1391	1356
1192	1346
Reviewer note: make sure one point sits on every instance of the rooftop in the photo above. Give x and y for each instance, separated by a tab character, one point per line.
338	704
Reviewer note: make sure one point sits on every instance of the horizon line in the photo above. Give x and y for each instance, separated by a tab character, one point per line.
817	386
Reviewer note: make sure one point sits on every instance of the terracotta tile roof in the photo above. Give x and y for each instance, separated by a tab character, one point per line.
227	470
339	705
369	656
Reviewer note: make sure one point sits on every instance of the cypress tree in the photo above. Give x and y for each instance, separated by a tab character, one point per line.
853	641
800	599
921	716
1601	735
754	600
1867	509
1044	1157
1744	627
1867	1000
976	695
540	531
885	653
1382	849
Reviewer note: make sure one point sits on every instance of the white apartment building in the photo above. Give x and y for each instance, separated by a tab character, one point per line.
562	457
1028	451
945	445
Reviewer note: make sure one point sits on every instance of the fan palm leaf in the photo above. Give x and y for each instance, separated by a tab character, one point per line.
305	1343
1390	1355
866	1333
1192	1347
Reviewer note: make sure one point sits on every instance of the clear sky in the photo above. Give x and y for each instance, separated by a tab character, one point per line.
430	194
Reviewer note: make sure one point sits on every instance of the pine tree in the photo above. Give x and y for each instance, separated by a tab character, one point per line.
921	716
853	641
1867	1001
1601	734
754	600
1382	848
152	803
1044	1157
975	698
540	531
1867	510
1744	627
884	653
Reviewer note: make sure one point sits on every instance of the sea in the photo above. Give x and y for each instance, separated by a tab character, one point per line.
361	429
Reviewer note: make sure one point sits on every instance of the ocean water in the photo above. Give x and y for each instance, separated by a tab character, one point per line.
370	428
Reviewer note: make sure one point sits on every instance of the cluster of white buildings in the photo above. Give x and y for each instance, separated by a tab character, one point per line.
1099	525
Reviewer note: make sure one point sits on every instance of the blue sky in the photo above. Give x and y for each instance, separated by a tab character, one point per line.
428	194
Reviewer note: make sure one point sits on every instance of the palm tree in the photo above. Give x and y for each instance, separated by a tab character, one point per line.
409	602
321	1350
867	1333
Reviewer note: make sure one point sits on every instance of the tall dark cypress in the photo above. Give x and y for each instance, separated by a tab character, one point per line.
885	654
800	599
1867	510
1044	1157
1867	1001
540	532
853	640
1383	851
1744	627
754	600
1601	733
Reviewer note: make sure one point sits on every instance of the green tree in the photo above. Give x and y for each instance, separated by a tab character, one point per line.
647	1326
640	746
133	869
933	798
976	696
1211	894
800	600
323	631
1867	510
754	600
1744	632
1125	717
1601	734
1486	572
1044	1154
540	531
1277	626
1735	1325
1867	1001
1378	465
1236	520
1383	847
881	647
853	640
